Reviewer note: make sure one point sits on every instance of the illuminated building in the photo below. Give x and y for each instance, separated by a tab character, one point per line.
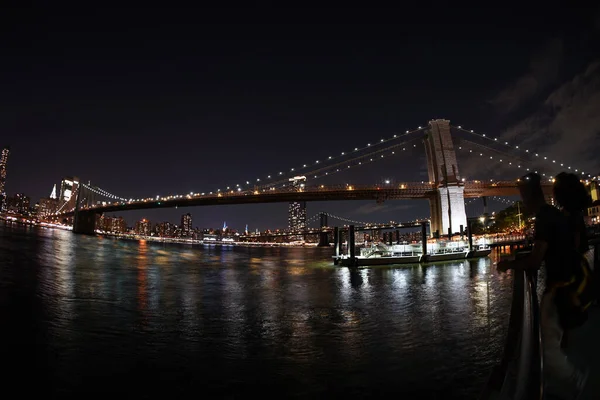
48	205
3	162
165	229
297	209
18	204
112	224
68	192
186	225
142	227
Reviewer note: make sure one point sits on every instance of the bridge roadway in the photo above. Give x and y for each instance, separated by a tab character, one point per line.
382	192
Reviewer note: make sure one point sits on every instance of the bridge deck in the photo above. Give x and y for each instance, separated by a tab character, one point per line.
316	193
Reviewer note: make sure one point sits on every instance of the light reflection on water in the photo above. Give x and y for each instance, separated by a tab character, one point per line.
248	320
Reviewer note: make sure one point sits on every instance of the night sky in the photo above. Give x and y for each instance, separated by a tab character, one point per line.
153	102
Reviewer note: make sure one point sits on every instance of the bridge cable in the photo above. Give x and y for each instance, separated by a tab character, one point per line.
495	140
327	169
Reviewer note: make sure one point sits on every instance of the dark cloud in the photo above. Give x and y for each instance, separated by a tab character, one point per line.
565	129
544	68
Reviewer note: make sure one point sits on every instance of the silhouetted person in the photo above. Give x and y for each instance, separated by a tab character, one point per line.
573	198
553	244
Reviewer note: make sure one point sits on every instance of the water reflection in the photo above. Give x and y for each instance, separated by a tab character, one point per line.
239	319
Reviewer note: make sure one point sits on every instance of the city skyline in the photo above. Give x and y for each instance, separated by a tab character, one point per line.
244	109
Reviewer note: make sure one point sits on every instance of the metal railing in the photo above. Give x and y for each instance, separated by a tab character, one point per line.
519	375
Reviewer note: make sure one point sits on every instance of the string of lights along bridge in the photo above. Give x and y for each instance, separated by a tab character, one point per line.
527	151
442	190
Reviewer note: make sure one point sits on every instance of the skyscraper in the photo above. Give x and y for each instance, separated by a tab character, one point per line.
68	192
48	205
3	162
186	224
297	209
297	216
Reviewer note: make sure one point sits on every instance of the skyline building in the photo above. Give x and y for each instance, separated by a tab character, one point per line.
297	209
143	227
186	224
53	194
3	161
68	192
19	203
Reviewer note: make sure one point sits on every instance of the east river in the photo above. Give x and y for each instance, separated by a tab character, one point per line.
84	317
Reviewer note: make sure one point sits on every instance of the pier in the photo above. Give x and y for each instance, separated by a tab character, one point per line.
411	253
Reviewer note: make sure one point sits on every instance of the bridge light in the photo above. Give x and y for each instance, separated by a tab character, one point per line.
419	127
406	131
483	135
459	127
395	135
387	181
330	157
304	166
506	143
292	169
393	152
496	138
471	130
342	153
317	162
356	149
382	140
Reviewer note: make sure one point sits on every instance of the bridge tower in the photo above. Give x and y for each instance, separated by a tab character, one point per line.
447	204
323	235
83	221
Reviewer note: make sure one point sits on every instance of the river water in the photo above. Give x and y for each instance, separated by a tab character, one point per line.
90	316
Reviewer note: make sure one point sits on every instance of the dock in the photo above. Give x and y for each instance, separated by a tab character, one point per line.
382	254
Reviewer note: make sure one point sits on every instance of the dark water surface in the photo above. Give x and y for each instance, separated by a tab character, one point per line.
86	316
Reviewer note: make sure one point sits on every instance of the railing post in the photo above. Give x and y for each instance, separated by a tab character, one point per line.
424	238
470	233
336	240
351	247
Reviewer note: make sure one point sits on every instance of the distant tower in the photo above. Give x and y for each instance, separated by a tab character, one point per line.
246	230
224	226
53	194
186	224
68	192
297	209
3	161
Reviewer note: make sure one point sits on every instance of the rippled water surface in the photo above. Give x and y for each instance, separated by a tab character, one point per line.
89	316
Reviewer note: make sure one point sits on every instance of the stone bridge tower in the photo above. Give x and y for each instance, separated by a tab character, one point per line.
447	204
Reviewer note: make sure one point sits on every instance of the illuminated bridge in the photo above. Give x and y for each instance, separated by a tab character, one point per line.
446	189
